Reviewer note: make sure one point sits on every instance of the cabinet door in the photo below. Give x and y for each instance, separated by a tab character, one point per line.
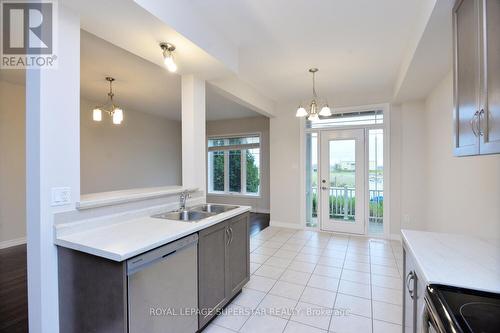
212	265
466	77
490	47
409	295
238	252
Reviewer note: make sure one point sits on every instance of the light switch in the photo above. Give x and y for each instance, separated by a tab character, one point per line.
61	196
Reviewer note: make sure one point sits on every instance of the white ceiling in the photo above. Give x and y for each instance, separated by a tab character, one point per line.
357	45
141	85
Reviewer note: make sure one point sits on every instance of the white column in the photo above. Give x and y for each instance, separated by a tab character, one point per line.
53	160
194	164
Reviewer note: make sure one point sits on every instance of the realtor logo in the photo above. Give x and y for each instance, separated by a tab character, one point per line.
28	30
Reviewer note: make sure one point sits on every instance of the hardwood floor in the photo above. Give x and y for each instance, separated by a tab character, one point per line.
13	282
258	222
13	290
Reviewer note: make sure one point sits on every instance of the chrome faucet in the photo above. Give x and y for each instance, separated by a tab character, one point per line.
184	196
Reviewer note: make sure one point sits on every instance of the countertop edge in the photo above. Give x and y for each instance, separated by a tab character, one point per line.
428	280
120	257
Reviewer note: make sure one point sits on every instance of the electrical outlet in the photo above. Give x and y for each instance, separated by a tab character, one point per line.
61	196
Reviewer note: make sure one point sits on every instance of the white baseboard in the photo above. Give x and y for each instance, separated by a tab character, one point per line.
284	225
12	242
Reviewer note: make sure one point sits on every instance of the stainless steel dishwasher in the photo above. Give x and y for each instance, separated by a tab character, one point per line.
163	289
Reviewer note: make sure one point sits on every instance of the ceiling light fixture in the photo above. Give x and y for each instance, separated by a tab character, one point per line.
312	114
110	107
168	56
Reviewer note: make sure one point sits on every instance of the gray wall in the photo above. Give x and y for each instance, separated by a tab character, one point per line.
144	151
12	162
242	126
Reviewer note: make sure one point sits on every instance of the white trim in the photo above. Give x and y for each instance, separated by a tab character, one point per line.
234	195
387	171
226	171
12	242
243	166
302	171
279	224
387	159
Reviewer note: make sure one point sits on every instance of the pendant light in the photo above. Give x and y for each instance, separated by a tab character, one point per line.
312	114
168	56
110	107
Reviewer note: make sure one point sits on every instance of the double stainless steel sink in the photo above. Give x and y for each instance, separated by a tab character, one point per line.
196	213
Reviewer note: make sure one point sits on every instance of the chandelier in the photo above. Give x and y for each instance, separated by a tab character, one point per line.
109	107
312	114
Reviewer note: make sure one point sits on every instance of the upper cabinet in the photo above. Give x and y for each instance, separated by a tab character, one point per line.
476	88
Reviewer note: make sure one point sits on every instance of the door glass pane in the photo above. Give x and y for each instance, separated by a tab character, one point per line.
216	171
312	179
235	171
342	193
376	181
253	172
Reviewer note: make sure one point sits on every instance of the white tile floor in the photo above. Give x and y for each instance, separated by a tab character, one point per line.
306	281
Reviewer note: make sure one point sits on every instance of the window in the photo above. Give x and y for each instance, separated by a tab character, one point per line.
234	165
362	118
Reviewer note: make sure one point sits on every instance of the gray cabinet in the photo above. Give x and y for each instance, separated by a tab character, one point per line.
413	296
238	253
223	264
490	103
476	86
212	294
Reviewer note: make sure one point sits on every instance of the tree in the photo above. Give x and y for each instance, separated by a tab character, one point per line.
253	180
235	170
218	158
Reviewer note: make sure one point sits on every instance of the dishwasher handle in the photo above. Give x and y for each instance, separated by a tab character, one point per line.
145	260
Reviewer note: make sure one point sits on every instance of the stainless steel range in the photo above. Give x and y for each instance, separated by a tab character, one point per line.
458	310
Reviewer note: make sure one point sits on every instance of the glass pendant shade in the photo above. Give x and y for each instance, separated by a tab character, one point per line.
170	63
325	111
301	112
117	116
313	117
97	114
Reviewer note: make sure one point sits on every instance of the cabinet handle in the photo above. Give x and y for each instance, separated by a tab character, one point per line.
409	278
473	123
230	235
480	122
228	238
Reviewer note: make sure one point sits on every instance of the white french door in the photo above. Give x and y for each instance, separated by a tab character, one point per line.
342	181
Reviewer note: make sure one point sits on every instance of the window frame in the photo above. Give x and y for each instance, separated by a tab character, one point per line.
243	193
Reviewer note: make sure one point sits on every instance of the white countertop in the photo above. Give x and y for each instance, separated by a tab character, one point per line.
101	199
455	260
126	239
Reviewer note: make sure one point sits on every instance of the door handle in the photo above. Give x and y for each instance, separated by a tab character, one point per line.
324	188
474	123
480	122
230	235
409	278
227	235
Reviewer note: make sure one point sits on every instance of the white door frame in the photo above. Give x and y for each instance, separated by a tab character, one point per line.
338	225
387	164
